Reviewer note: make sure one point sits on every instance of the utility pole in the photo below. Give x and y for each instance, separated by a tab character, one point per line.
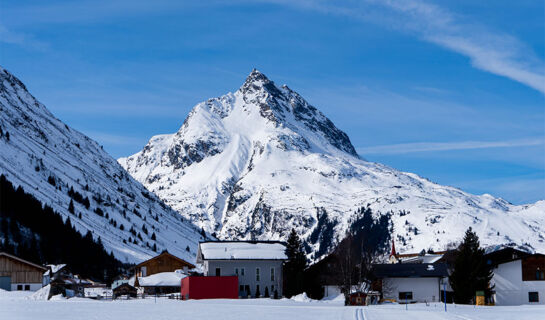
445	294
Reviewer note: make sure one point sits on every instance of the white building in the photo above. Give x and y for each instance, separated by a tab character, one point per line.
519	277
258	264
412	282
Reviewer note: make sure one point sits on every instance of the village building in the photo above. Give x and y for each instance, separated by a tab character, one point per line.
162	283
164	262
124	289
53	271
257	264
411	282
63	281
19	274
519	277
161	274
210	287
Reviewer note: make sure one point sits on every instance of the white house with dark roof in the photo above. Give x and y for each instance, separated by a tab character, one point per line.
519	276
411	282
258	264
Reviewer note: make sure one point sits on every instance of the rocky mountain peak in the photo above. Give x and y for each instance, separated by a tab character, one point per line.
257	83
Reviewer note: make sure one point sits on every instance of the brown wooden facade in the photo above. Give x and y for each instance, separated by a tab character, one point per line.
165	262
533	268
20	271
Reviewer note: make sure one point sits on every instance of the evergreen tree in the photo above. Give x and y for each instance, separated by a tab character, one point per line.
295	265
50	240
267	292
471	272
71	207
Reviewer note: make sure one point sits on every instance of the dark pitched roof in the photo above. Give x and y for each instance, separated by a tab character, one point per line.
507	254
190	265
410	270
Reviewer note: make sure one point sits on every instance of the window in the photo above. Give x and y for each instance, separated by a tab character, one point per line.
272	288
236	271
257	276
218	272
272	274
241	288
405	296
144	271
19	287
27	287
540	275
533	296
242	271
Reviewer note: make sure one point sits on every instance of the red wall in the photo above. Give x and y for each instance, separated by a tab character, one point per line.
210	287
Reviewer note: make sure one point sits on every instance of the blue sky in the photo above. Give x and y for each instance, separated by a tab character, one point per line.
451	90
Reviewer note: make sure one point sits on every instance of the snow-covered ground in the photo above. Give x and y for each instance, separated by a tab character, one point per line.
16	305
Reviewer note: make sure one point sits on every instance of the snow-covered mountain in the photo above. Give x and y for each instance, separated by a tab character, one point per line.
260	161
56	163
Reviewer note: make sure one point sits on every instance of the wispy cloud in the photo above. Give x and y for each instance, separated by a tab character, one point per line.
448	146
495	52
8	36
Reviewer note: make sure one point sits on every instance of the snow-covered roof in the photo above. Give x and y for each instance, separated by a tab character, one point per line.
56	267
163	279
241	250
427	258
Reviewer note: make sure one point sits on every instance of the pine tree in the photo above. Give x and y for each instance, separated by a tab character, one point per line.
471	272
71	207
267	292
295	265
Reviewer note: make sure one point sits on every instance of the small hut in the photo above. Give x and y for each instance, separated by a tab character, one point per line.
357	299
125	289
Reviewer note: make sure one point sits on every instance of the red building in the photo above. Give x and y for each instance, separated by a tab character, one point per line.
225	287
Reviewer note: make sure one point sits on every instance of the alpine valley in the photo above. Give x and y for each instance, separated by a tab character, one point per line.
74	176
258	162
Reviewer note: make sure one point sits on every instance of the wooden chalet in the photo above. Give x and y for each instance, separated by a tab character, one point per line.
19	274
125	289
164	262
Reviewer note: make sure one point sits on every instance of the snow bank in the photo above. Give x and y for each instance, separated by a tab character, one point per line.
339	298
42	294
302	297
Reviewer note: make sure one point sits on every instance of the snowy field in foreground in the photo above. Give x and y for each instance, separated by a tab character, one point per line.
16	305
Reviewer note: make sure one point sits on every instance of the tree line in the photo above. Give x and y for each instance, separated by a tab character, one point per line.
350	264
38	234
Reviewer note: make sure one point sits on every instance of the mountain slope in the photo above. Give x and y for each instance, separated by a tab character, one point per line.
57	165
257	162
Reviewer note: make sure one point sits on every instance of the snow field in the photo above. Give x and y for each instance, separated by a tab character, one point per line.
16	306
